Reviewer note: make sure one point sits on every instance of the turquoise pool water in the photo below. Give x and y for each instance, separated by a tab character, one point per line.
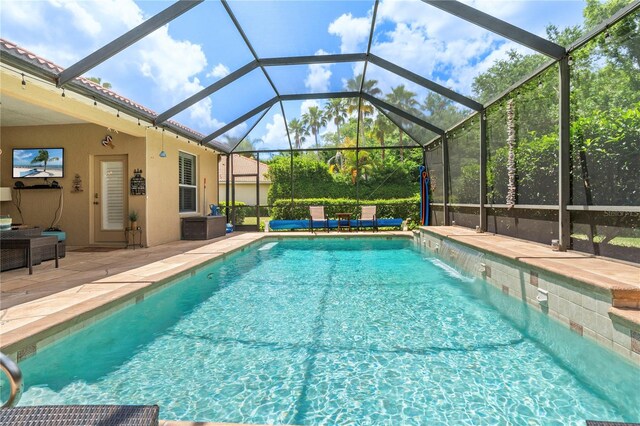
336	332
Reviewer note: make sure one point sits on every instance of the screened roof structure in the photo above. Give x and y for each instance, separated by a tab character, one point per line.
273	55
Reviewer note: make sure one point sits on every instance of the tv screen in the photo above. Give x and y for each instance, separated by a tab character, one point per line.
38	163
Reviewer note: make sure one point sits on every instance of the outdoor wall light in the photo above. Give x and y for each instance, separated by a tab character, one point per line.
162	153
118	114
24	82
63	95
94	101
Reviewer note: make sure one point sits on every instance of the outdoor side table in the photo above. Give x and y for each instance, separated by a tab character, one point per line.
30	243
134	237
344	221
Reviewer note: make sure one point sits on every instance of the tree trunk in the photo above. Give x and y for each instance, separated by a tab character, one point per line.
511	160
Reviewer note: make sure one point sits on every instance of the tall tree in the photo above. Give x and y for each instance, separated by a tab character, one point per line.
336	110
43	157
441	111
365	108
314	120
299	132
405	100
382	127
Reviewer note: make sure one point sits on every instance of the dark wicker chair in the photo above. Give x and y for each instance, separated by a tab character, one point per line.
15	258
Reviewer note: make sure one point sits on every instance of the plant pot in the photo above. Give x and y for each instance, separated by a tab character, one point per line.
5	222
134	224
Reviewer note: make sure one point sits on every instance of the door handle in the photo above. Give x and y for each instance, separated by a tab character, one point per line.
96	203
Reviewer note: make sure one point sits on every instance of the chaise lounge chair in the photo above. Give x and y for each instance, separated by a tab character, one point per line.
368	218
316	214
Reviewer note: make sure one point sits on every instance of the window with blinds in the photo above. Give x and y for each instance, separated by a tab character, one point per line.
187	182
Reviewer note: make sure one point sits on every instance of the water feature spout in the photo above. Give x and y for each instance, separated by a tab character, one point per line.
543	296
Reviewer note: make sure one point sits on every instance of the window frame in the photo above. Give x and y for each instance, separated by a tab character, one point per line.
181	155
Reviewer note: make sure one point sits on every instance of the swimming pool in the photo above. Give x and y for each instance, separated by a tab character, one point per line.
336	331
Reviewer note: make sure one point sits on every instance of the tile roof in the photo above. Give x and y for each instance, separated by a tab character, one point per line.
13	49
242	165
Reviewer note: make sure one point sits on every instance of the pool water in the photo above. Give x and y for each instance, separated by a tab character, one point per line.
336	332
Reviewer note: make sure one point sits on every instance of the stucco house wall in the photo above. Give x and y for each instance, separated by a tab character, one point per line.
158	210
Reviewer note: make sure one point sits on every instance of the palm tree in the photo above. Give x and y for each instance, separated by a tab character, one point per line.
98	81
43	157
405	100
299	131
248	145
381	127
314	120
336	110
365	108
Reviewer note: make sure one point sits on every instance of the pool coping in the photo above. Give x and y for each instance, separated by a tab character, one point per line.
27	328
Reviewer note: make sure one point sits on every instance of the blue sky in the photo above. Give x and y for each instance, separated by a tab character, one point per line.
25	156
203	45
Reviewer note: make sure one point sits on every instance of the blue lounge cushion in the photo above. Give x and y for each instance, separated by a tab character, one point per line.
283	224
60	234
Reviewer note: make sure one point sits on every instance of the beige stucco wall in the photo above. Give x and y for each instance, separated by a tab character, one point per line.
81	143
158	210
162	184
246	192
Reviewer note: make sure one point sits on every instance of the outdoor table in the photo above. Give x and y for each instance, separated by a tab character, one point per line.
28	244
342	217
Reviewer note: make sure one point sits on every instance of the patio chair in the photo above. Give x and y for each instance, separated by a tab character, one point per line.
368	214
316	214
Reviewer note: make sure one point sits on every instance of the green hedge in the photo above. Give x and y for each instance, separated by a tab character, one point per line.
405	208
241	211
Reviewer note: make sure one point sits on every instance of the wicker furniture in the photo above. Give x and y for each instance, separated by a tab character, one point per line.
29	244
203	227
85	415
17	258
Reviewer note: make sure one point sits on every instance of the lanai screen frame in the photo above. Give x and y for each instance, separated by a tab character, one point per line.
557	54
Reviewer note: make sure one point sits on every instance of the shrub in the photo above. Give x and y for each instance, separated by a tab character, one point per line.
405	208
241	210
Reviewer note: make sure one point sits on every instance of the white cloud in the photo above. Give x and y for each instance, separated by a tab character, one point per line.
201	113
437	45
319	76
276	133
352	32
219	71
82	19
306	104
238	131
173	65
15	12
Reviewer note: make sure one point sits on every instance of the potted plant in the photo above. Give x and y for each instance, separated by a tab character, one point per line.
133	217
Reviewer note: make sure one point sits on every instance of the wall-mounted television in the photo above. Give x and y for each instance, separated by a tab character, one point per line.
38	163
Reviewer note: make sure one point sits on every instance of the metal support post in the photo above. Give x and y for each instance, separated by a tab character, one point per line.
483	170
445	178
258	190
226	199
291	178
564	161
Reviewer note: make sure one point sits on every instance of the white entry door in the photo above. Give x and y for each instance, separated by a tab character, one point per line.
110	198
